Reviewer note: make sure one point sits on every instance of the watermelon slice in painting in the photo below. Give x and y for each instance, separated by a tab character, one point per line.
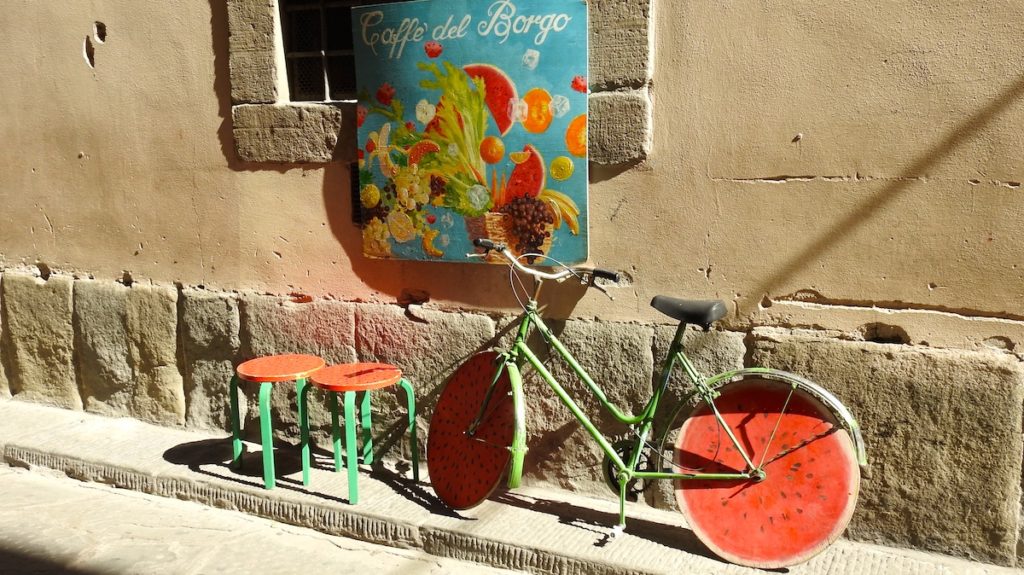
527	178
500	91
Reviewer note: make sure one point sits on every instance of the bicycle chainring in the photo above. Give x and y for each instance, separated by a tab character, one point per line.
636	486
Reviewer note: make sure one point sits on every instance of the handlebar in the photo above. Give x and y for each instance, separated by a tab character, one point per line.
489	245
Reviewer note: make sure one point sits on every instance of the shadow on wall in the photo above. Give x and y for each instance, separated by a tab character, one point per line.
443	281
960	134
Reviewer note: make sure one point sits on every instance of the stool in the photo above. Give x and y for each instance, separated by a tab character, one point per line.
267	371
350	379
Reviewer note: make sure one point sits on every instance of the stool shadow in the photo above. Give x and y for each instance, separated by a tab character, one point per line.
198	456
414	491
600	523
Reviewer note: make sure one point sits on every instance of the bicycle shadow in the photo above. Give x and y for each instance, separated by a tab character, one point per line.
599	522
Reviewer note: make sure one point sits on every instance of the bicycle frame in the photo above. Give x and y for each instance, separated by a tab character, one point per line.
704	389
644	421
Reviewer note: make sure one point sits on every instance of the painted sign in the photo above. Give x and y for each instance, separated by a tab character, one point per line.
472	123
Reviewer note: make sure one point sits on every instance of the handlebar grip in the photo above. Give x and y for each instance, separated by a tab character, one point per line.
487	244
606	274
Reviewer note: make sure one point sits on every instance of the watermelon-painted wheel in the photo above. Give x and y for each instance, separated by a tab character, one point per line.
810	481
466	468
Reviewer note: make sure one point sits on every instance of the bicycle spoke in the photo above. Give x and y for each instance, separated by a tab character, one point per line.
465	469
799	505
782	413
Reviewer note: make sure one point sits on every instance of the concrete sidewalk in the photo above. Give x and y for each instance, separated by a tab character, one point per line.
52	524
530	530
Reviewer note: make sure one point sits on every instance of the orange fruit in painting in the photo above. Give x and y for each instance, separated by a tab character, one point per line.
538	110
576	136
492	149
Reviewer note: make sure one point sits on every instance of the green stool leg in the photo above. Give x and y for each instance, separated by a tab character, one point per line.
351	453
411	399
268	435
336	430
303	390
366	413
236	428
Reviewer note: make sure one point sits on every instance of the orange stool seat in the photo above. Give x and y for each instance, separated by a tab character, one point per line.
357	377
267	371
350	379
276	368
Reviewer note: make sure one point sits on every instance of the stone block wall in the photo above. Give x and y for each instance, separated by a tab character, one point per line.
943	427
268	128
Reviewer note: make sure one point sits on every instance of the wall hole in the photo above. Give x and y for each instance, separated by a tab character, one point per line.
44	270
126	278
89	52
884	333
1000	342
99	31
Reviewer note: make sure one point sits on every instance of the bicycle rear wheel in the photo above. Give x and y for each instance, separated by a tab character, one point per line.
465	469
811	481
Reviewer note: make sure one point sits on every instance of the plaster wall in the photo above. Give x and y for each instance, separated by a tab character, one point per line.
825	153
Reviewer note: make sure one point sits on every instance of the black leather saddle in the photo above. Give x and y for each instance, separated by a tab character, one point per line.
702	313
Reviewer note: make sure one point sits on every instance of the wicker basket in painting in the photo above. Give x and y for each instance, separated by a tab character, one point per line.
498	228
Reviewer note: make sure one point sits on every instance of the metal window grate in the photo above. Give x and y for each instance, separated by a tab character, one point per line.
318	48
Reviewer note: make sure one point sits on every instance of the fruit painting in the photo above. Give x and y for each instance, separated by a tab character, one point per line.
472	123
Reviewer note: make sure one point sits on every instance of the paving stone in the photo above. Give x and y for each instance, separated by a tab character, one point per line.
711	352
286	133
943	433
37	322
210	336
253	63
620	44
427	345
619	358
619	126
127	350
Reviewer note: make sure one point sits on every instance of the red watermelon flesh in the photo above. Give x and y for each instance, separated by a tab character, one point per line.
500	90
527	178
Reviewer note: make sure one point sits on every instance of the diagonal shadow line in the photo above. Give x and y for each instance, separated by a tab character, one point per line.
956	137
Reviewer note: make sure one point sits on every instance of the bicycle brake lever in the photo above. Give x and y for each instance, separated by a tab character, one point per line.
476	255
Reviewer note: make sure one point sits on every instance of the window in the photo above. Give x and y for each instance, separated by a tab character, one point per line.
318	65
318	49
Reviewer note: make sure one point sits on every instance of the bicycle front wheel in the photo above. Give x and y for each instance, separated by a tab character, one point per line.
466	466
810	484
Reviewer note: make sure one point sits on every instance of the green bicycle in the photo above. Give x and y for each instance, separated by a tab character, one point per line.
765	463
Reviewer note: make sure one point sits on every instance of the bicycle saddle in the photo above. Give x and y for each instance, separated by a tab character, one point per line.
702	313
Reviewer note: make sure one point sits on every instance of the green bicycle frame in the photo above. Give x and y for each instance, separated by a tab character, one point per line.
704	389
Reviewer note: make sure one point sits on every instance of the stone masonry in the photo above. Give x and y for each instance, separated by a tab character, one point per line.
126	342
5	386
943	427
268	129
210	325
37	321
